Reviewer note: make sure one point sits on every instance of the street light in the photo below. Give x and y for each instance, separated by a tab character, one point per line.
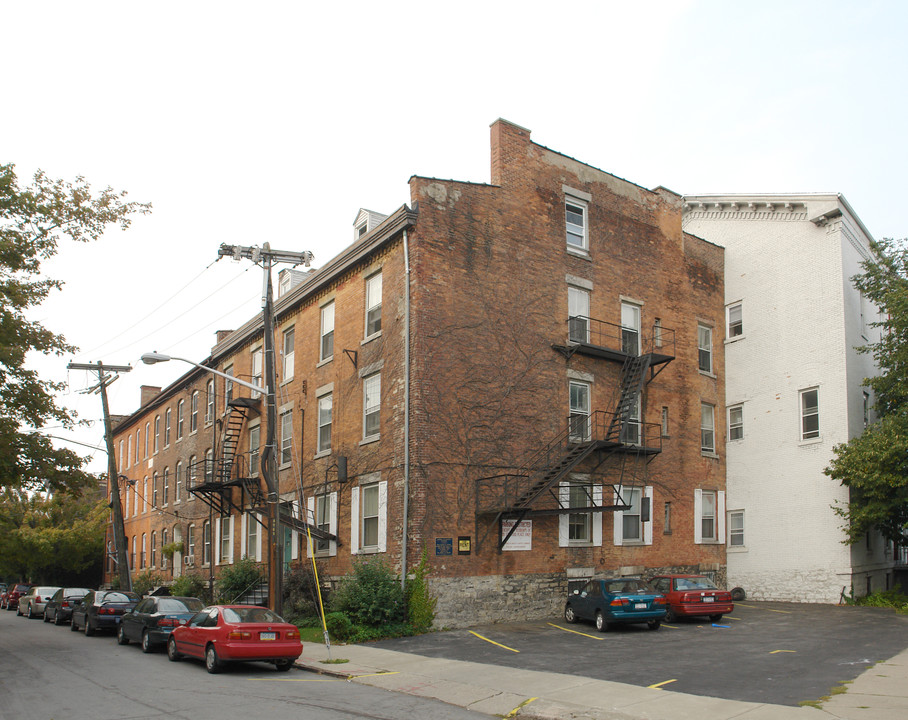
153	358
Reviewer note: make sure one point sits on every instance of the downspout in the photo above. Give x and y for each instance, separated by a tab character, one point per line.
406	512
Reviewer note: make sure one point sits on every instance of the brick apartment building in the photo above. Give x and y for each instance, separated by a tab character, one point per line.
523	378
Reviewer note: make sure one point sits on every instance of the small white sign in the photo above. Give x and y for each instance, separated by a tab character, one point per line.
522	539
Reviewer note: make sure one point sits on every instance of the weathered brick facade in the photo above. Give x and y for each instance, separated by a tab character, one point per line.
491	372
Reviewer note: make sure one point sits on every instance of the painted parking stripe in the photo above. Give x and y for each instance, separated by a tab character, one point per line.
756	607
658	686
773	652
517	709
493	642
594	637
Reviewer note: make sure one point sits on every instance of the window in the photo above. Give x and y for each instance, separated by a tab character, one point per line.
255	441
736	528
251	543
135	502
735	321
206	543
369	500
228	385
371	405
736	422
194	412
657	332
288	352
126	503
575	222
579	412
324	423
630	328
580	525
167	415
145	495
138	447
163	543
178	480
132	557
368	511
633	523
144	549
322	521
704	348
708	516
667	521
147	438
810	414
630	517
225	554
707	428
326	348
209	402
578	315
190	542
257	372
154	549
630	432
154	490
373	305
157	433
180	409
665	422
166	489
209	465
124	461
286	437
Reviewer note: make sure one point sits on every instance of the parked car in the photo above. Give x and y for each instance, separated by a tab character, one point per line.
32	603
154	618
60	607
227	633
690	595
102	610
616	601
11	598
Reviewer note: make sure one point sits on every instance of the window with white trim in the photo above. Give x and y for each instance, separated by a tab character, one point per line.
163	544
369	507
322	512
209	402
735	422
575	222
251	545
228	386
154	549
326	333
707	428
709	516
631	432
128	451
206	543
225	540
580	524
166	488
325	411
138	446
371	405
630	328
373	304
578	315
255	442
209	465
257	370
286	455
633	525
190	543
369	518
178	479
579	411
288	353
194	412
144	548
180	410
736	528
145	495
734	315
157	433
810	413
704	348
154	490
147	439
167	419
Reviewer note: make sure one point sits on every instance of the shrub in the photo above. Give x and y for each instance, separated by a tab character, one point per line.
420	604
339	625
235	580
300	595
146	581
191	585
371	595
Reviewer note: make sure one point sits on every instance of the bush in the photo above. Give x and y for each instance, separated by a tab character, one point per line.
300	595
420	604
237	579
339	625
146	581
883	598
371	596
191	585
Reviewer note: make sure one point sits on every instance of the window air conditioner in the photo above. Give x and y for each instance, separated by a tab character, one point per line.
189	560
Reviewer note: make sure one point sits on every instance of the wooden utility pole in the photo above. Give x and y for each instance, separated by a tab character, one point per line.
112	478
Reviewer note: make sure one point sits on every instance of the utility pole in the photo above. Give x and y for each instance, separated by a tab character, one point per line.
266	256
114	486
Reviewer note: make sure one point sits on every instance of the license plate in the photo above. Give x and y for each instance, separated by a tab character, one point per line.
709	599
640	606
268	636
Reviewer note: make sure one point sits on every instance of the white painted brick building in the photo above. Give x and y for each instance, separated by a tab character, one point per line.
793	389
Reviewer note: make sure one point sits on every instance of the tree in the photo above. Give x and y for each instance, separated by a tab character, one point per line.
874	465
33	220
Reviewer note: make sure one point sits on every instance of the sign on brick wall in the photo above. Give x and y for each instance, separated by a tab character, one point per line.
522	539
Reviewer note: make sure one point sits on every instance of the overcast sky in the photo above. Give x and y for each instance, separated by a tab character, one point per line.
246	123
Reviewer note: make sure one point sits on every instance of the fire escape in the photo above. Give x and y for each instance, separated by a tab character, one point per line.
614	444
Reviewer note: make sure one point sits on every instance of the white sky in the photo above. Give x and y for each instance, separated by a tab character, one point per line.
276	121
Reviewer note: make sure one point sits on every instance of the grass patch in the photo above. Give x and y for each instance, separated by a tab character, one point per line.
839	689
335	661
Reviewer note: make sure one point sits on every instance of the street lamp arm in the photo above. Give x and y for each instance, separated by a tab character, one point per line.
153	358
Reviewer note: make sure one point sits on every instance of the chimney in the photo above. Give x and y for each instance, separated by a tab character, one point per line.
223	335
509	142
149	393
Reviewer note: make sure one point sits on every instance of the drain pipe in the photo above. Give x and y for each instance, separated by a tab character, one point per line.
406	512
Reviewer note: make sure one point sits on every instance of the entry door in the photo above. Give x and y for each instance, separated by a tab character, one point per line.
287	538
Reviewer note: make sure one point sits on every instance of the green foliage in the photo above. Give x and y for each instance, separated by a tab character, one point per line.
33	220
371	596
191	584
883	598
420	603
300	594
237	579
339	626
170	548
147	581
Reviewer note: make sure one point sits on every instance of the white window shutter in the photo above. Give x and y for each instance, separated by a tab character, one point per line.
258	540
332	523
597	517
383	516
217	541
244	519
720	516
618	519
648	526
310	518
698	517
564	497
230	542
354	520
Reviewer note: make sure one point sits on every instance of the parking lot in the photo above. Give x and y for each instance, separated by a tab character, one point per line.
782	653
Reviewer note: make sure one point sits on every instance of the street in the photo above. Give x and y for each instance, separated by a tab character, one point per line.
50	673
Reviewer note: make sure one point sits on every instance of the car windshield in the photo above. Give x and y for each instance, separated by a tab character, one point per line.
172	605
627	586
251	615
694	583
118	597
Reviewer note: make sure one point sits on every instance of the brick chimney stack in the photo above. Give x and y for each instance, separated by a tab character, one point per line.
149	393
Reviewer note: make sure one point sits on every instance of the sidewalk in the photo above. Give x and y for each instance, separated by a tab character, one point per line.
880	693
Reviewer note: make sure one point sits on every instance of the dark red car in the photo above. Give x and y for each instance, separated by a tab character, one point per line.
690	595
10	599
220	634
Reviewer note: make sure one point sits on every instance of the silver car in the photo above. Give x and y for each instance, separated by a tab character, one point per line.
32	604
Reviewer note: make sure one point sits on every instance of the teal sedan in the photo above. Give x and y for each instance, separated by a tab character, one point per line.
616	601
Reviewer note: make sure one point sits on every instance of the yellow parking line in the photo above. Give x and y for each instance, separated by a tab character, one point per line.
658	686
493	642
575	632
755	607
319	679
390	672
519	708
773	652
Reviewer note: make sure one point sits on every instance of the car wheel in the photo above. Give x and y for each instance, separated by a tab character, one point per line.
670	617
212	664
172	653
569	614
73	626
18	610
89	630
147	647
601	624
121	636
44	617
29	612
57	620
715	618
654	624
283	665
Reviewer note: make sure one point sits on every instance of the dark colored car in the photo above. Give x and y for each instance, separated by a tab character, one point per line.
32	603
60	607
154	618
690	595
102	610
616	601
229	633
11	598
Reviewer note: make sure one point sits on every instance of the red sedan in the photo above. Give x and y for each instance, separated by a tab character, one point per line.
690	595
229	633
